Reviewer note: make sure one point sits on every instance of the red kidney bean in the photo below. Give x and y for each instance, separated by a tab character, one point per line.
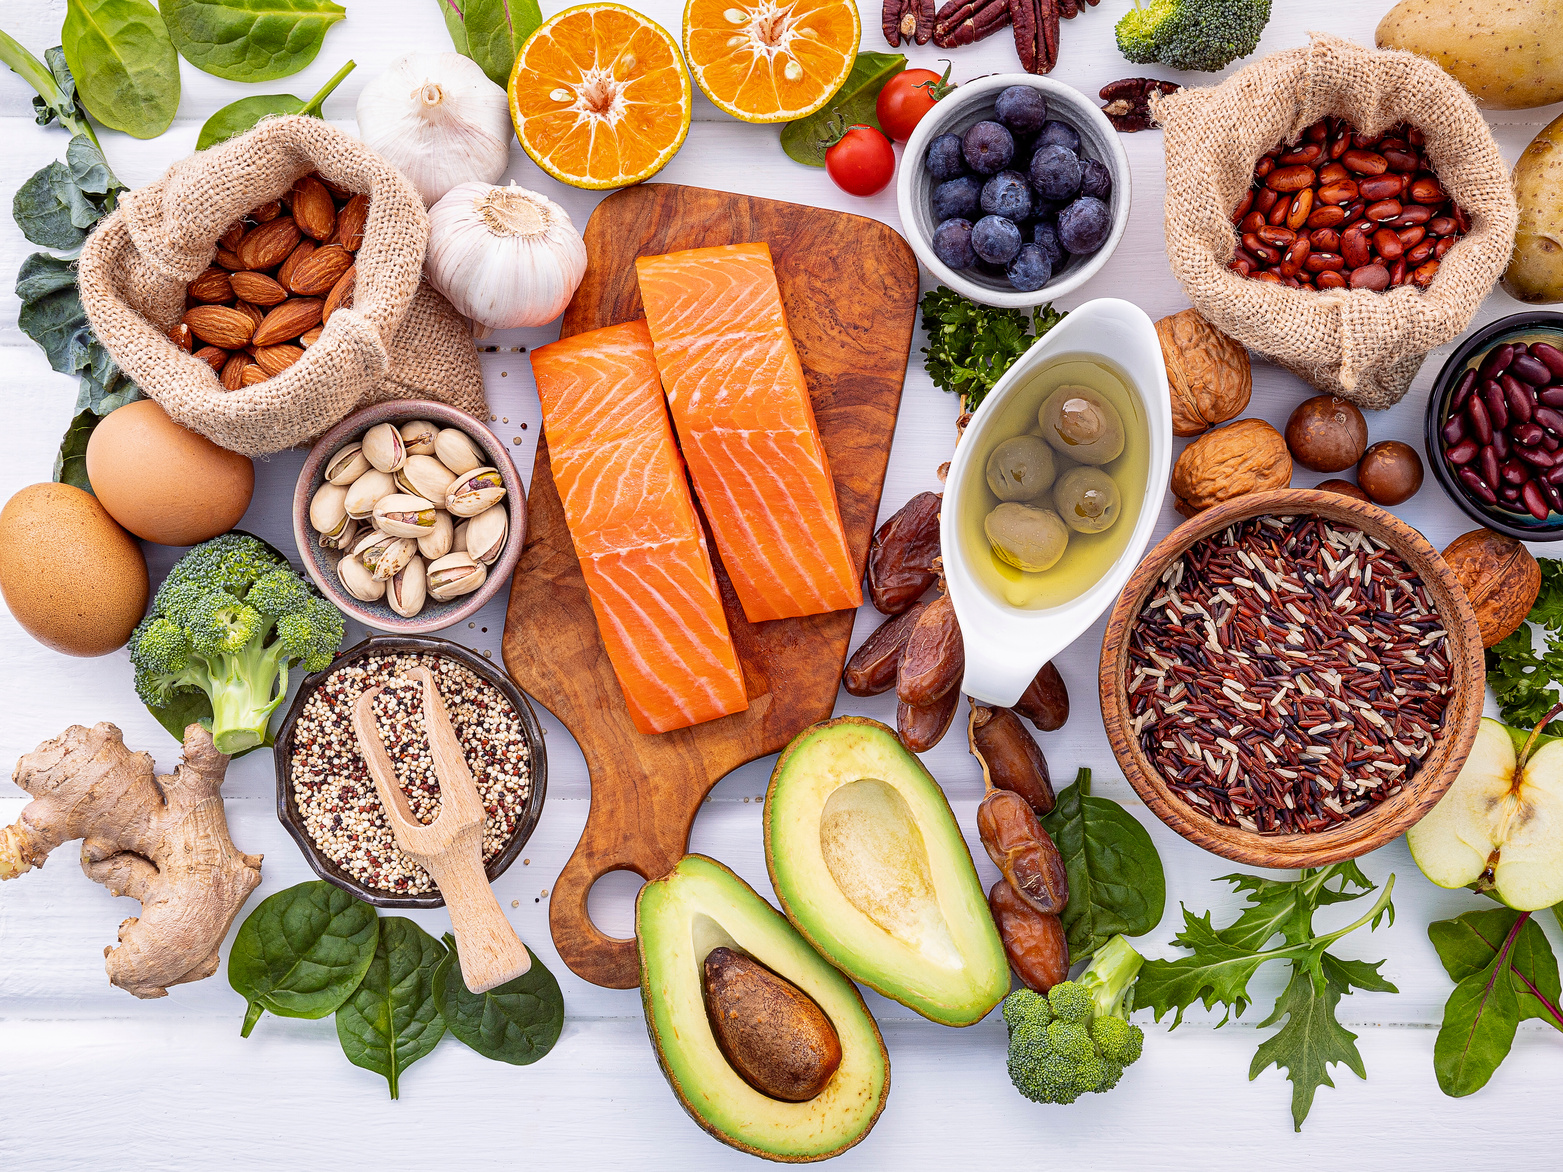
1443	246
1510	493
1496	361
1552	443
1375	277
1397	274
1381	187
1478	486
1365	162
1551	356
1319	262
1532	370
1253	222
1401	160
1462	390
1521	405
1326	217
1441	225
1500	444
1516	473
1411	237
1244	206
1540	457
1551	396
1387	243
1307	154
1463	452
1279	212
1454	429
1325	239
1265	200
1554	498
1411	215
1550	418
1419	254
1343	191
1276	237
1329	279
1462	219
1354	247
1555	475
1531	495
1259	248
1488	459
1301	209
1481	424
1354	212
1290	179
1264	166
1333	173
1318	131
1497	405
1426	189
1414	136
1341	143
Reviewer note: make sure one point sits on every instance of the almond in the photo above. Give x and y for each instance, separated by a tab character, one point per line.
267	212
268	246
214	356
350	222
232	235
255	315
257	288
229	260
287	321
313	211
251	375
220	325
233	372
335	189
181	336
305	249
276	359
309	337
211	286
341	295
322	269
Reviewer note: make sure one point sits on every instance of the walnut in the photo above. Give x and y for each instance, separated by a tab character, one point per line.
1247	456
1499	576
1207	372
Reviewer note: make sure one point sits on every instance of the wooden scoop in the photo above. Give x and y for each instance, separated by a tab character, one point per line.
451	847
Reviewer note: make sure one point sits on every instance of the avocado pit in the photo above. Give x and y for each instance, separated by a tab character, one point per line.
771	1032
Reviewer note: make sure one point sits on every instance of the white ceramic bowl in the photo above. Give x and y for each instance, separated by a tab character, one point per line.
1007	645
969	104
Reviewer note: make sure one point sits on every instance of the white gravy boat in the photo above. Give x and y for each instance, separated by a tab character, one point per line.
1007	645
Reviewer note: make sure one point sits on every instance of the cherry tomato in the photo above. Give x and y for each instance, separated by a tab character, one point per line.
905	99
862	162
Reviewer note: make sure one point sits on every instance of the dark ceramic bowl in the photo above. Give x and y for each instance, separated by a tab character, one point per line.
1536	326
321	563
288	811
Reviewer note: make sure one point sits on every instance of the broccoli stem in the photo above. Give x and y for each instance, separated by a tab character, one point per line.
1113	970
244	694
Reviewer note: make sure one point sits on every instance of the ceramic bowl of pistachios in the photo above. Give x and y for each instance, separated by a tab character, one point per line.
409	515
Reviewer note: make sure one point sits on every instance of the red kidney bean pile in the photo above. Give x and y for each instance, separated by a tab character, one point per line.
1344	210
1503	431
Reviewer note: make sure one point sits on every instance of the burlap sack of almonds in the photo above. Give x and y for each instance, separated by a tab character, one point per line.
1363	345
399	340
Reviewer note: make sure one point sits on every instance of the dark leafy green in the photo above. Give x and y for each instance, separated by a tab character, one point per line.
250	40
302	952
455	24
1504	973
52	315
1523	679
126	70
237	117
1221	961
70	465
806	139
518	1022
491	32
970	346
1116	882
391	1020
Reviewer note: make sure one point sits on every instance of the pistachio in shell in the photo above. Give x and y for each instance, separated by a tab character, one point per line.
344	538
359	581
418	437
364	492
486	534
439	541
383	554
347	465
473	492
383	447
1499	576
424	476
407	589
453	575
456	451
402	515
328	509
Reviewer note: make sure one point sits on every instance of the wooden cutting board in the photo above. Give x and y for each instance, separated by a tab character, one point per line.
850	287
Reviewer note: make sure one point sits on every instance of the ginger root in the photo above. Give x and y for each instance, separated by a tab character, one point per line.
161	840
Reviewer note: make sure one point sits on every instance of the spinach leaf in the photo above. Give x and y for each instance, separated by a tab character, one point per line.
302	952
250	40
237	117
806	139
70	465
125	67
455	23
518	1022
1116	882
391	1019
495	32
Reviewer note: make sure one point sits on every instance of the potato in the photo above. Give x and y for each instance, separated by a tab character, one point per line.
1535	270
1508	53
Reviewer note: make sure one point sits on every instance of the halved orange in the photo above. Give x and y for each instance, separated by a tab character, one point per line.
600	97
770	60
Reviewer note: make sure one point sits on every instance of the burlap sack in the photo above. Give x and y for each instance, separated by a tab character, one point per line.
400	339
1363	345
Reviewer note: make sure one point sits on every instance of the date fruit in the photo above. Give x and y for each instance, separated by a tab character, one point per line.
1023	851
935	656
1045	702
920	729
874	666
1035	943
1009	757
901	560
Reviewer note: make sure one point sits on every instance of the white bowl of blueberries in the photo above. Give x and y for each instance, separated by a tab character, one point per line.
1013	189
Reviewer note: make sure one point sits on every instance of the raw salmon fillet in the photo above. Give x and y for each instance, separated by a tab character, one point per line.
740	403
634	526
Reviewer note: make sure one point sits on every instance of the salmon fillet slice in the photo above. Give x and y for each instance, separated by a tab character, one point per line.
741	406
642	550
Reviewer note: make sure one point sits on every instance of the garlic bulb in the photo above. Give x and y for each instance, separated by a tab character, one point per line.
439	120
504	256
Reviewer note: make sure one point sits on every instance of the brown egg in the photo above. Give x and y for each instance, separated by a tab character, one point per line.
163	482
72	578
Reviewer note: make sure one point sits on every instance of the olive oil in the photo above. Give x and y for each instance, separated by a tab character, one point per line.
1088	556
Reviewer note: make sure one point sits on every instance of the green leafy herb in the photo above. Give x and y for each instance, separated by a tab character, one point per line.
52	315
70	465
391	1020
805	140
1221	961
455	24
1505	973
970	346
237	117
126	70
518	1022
491	32
1116	882
250	40
1523	680
302	952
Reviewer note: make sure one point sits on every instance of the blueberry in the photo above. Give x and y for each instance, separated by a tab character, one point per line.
995	239
1095	180
1047	240
1031	269
1084	225
944	158
988	148
1022	109
952	244
1047	209
959	199
1055	173
1060	134
1007	194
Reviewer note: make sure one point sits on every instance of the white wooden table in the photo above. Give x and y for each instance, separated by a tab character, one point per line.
90	1076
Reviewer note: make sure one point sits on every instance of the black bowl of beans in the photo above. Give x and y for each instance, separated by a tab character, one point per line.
1495	426
327	801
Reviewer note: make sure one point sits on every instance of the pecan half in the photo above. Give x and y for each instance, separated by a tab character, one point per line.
960	22
908	21
1129	101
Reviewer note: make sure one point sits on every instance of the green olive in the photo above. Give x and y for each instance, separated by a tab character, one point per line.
1082	424
1021	469
1087	499
1028	538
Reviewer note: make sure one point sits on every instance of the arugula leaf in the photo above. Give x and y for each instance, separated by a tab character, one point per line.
237	117
126	70
970	346
1310	1041
806	139
250	40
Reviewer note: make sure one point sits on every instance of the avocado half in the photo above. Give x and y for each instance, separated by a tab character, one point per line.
870	866
701	905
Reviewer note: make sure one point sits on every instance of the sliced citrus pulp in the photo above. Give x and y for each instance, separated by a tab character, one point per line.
770	60
600	97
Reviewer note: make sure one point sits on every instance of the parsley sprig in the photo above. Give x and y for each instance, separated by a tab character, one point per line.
970	346
1522	678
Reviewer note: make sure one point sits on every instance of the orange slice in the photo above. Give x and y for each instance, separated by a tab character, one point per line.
770	60
600	97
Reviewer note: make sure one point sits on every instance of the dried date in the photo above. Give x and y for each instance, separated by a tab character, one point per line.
1009	757
901	560
1023	851
1035	943
873	666
935	657
1045	702
920	729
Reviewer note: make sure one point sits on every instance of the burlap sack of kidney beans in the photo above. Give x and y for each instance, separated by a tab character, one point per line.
399	340
1363	345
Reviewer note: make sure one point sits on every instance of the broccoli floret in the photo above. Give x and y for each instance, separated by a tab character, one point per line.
228	621
1077	1039
1206	35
